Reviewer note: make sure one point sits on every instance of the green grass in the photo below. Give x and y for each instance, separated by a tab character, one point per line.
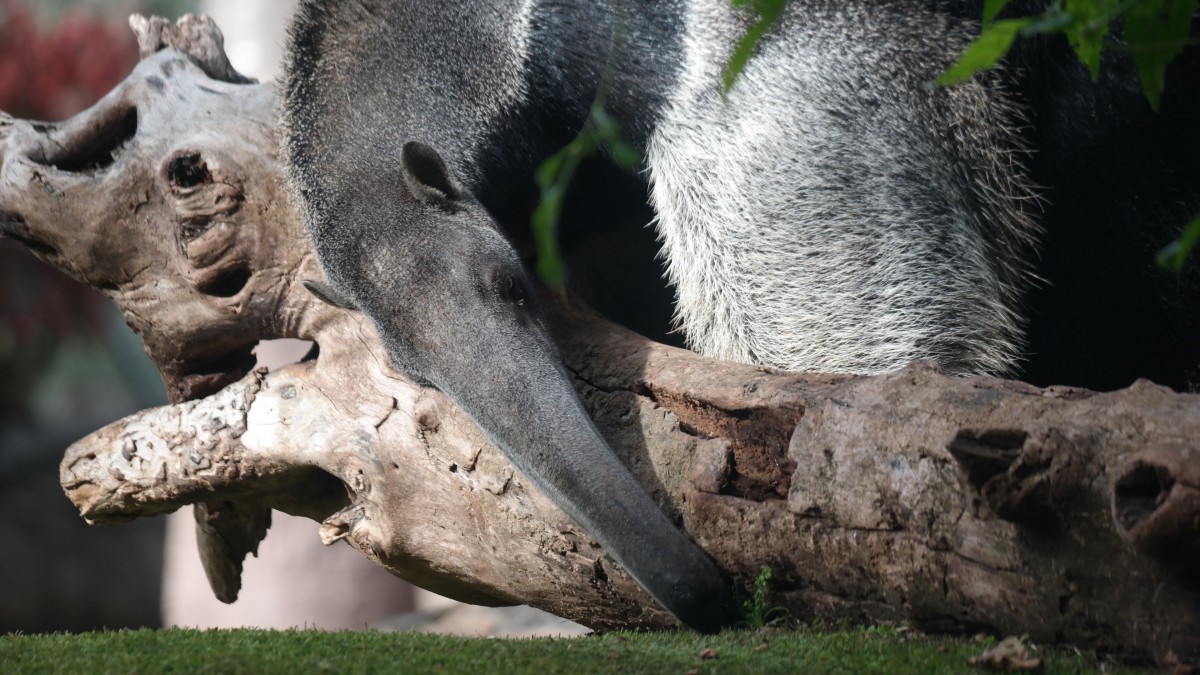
872	650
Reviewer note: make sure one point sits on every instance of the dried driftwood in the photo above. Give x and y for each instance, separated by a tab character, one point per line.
952	504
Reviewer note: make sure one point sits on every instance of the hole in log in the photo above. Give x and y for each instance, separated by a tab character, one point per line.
209	376
40	249
237	359
759	467
187	171
984	454
227	283
312	353
96	147
10	222
1140	492
189	230
310	492
275	354
598	571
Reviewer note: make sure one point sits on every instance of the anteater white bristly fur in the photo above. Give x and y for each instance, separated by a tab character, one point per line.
833	214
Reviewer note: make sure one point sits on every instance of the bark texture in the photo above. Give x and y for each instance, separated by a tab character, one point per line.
953	504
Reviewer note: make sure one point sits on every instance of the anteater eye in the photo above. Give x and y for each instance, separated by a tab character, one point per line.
514	292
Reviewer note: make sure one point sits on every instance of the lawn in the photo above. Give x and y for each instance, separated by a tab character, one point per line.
871	650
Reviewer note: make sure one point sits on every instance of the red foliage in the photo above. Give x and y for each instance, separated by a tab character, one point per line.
56	74
49	76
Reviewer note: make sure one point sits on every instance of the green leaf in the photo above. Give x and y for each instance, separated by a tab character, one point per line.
1088	27
985	51
1054	20
990	9
768	12
550	265
553	177
623	155
1156	31
1175	254
601	123
547	172
761	6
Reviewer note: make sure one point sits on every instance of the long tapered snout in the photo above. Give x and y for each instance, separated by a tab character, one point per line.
471	328
517	391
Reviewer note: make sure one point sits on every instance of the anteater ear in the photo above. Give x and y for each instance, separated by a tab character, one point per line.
329	295
426	174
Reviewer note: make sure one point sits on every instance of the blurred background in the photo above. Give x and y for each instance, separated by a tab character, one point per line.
69	365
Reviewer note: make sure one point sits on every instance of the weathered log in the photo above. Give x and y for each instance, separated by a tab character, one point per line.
953	504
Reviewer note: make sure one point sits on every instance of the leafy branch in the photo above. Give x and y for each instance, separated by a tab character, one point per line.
553	177
600	132
1154	32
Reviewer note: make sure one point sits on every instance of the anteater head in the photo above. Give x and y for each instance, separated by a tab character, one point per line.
427	263
456	309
